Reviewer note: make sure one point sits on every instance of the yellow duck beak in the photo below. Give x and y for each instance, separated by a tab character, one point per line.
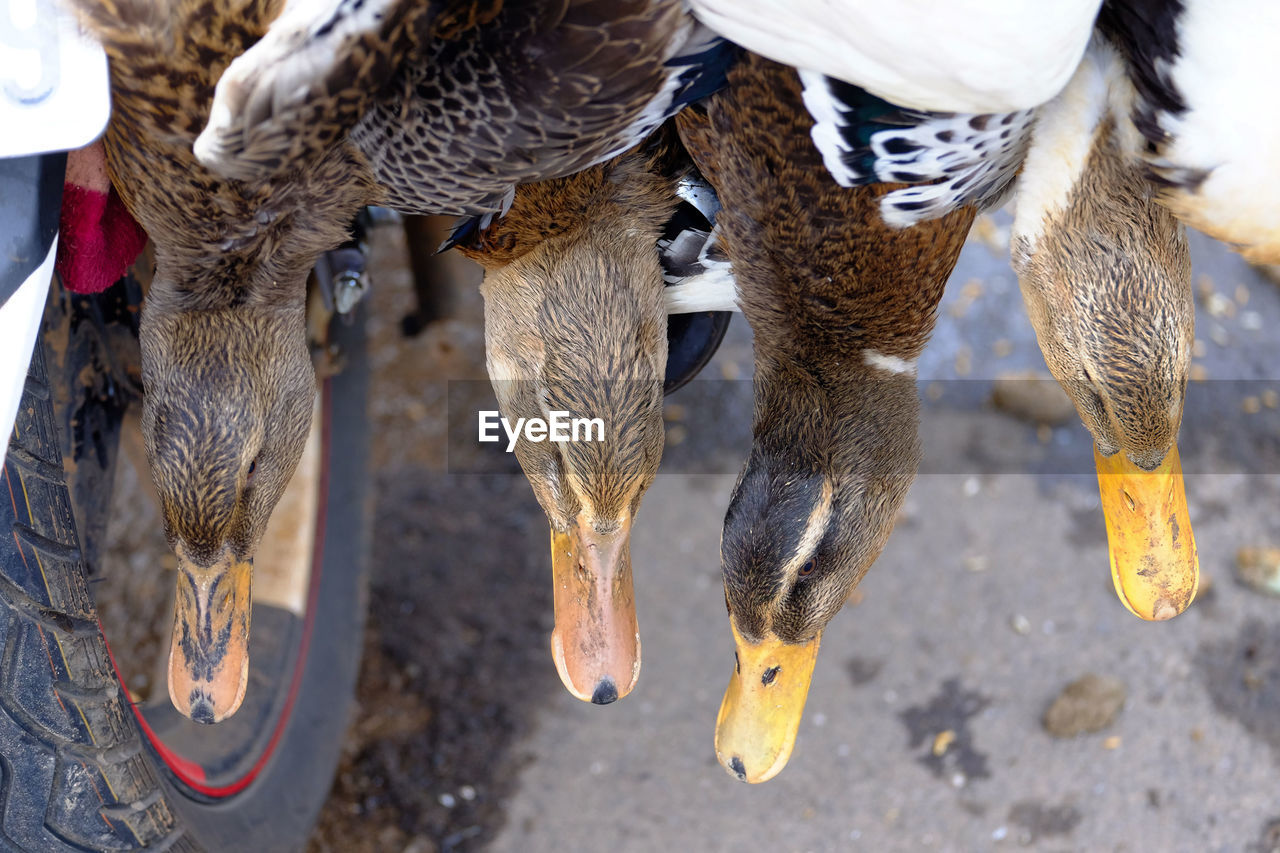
761	711
209	653
1153	551
596	642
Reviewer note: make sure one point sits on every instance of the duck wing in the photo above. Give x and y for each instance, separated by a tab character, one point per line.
453	103
950	159
1146	35
969	56
299	89
541	91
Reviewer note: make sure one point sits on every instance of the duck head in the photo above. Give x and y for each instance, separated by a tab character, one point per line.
227	409
1106	277
602	360
1108	288
575	328
229	390
810	513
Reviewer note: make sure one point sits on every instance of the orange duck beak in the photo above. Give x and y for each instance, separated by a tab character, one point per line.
596	642
1154	564
209	654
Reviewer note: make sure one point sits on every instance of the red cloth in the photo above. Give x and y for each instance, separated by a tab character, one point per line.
97	237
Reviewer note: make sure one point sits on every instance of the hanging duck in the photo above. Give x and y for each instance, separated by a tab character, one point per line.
576	324
841	306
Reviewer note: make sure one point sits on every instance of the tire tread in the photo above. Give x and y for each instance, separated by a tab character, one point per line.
43	771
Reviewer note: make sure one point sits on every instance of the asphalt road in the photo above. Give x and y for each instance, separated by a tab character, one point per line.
924	726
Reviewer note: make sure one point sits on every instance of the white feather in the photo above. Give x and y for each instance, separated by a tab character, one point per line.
714	290
889	363
954	160
828	121
967	56
1226	71
975	167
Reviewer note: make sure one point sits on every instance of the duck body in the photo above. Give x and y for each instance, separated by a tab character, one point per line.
965	57
466	100
841	306
1202	71
575	322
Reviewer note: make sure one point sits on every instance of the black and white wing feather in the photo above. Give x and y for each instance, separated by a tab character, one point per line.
950	159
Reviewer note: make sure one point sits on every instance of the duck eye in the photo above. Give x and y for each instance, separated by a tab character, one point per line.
253	467
808	567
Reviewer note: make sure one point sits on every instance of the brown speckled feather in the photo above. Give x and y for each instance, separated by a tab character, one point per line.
216	240
313	75
544	89
458	103
840	305
575	320
1108	289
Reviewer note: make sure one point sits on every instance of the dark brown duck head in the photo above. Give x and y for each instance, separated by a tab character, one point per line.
841	306
226	369
575	323
830	465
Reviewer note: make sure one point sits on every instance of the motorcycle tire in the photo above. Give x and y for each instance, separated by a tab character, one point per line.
84	768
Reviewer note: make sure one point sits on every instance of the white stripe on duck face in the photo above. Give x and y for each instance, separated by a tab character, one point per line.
889	363
815	529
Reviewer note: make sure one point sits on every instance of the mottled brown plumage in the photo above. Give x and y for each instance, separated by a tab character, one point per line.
822	282
1107	286
454	104
575	322
841	305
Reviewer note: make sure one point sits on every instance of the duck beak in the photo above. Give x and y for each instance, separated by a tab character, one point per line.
1153	551
209	654
761	711
596	643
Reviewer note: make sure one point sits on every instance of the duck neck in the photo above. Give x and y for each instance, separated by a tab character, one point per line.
1088	126
818	409
843	295
633	193
186	281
